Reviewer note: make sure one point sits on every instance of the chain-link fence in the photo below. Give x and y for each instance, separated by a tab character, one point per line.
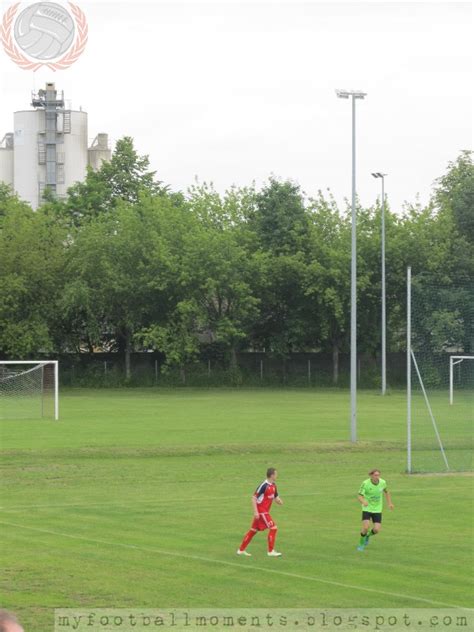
251	369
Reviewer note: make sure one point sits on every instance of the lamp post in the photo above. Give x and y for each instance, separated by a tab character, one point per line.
384	326
354	95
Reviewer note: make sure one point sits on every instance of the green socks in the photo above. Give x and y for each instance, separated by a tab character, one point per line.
368	534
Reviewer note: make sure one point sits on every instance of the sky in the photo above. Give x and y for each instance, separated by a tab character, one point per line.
234	92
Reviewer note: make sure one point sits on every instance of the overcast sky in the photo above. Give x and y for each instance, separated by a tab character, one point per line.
232	92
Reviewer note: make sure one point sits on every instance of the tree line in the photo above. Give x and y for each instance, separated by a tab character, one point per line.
125	264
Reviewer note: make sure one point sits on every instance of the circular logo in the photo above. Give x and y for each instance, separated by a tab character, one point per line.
44	30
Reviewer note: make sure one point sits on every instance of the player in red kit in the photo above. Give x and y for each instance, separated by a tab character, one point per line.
262	500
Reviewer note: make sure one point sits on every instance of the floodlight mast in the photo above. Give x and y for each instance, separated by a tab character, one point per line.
378	174
354	94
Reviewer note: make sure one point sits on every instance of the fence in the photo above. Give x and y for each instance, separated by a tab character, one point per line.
252	369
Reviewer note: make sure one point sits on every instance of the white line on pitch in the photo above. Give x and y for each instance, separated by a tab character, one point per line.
199	558
332	556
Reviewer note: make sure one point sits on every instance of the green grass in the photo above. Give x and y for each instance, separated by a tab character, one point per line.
140	498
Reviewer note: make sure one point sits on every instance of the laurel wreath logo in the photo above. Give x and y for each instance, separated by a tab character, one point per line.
27	64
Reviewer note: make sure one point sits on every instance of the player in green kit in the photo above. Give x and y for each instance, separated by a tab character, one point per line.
371	498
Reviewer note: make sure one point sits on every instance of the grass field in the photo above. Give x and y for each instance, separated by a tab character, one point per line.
140	498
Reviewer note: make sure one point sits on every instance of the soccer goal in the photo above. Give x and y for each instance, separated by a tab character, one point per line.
29	389
440	337
456	360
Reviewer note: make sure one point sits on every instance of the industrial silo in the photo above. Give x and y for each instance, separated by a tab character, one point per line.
50	148
99	151
73	153
6	159
27	170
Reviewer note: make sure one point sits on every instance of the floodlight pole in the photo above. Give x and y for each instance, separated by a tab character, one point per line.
353	285
345	94
384	311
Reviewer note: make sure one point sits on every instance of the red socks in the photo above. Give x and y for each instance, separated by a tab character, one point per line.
247	539
272	534
250	534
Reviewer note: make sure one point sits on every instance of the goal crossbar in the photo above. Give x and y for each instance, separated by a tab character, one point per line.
28	362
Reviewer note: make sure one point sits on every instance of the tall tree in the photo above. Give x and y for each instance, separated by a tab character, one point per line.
280	219
220	275
281	227
32	249
118	275
455	191
124	179
327	280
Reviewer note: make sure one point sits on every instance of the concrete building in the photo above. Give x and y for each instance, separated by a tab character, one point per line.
6	159
49	148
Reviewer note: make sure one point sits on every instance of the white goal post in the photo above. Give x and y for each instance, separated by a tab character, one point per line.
29	388
453	361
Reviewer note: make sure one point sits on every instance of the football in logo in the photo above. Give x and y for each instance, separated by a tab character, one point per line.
44	30
44	34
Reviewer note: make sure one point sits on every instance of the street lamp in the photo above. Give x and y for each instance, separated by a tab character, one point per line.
354	94
384	327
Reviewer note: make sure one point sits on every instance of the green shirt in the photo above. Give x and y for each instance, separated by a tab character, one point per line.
373	494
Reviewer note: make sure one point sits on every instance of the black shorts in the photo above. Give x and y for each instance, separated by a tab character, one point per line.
375	517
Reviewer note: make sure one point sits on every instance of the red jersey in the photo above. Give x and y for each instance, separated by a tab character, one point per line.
265	493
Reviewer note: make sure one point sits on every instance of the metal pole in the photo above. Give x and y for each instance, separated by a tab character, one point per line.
353	286
42	393
56	390
355	94
409	370
384	339
309	372
451	380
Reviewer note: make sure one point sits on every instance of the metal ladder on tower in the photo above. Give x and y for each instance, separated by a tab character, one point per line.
67	122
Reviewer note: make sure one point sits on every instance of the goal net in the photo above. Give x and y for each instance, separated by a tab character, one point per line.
29	390
440	328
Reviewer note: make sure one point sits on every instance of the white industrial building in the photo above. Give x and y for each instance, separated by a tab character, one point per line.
49	148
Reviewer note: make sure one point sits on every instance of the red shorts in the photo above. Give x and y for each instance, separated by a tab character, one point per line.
264	521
